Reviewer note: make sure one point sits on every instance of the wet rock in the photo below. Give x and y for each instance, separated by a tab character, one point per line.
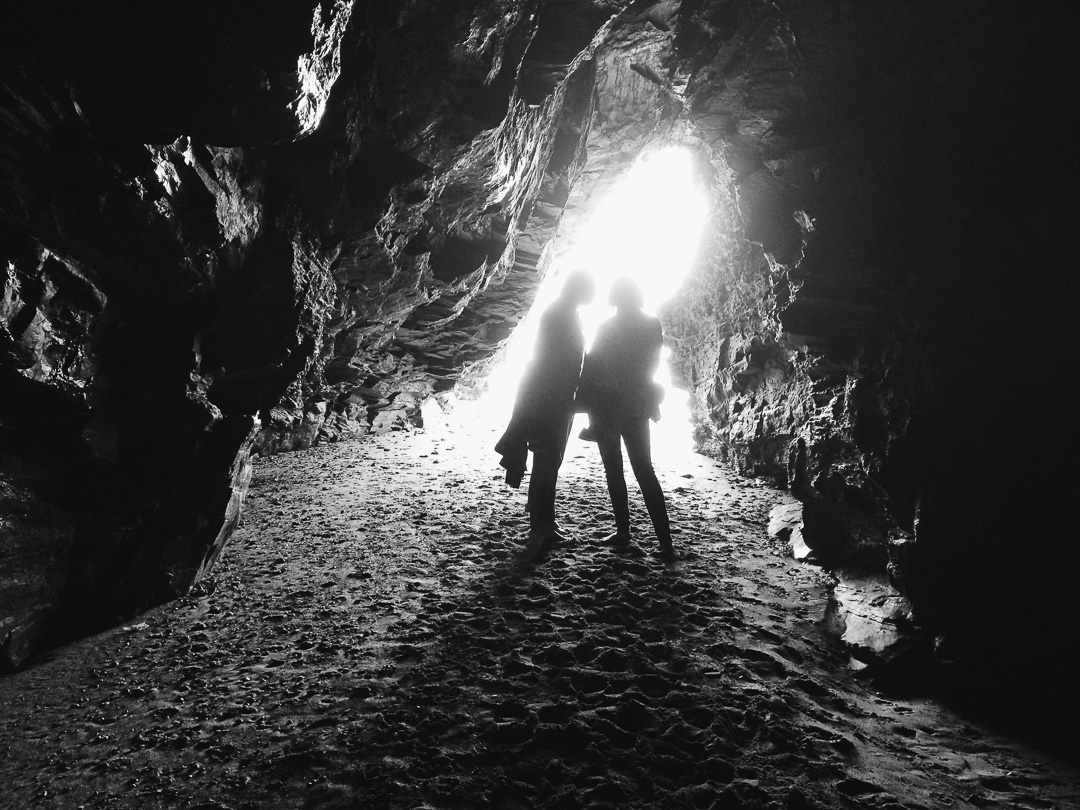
785	523
875	623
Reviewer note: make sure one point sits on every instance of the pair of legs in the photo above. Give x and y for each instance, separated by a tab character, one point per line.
634	433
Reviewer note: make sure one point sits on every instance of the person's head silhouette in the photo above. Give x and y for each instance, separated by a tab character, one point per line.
579	287
626	295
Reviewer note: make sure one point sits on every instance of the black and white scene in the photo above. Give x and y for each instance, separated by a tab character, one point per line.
539	404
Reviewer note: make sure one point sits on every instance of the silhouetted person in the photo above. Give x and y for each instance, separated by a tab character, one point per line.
620	397
544	408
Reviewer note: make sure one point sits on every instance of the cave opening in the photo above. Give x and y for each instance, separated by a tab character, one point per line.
646	225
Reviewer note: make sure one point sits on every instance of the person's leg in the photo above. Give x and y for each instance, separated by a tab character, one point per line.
541	505
636	436
609	441
542	482
547	458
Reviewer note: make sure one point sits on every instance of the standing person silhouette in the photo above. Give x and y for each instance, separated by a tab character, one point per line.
620	397
544	409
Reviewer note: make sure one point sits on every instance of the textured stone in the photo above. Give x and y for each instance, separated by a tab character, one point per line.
874	617
786	523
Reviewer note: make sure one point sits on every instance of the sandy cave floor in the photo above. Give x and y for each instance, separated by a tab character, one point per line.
367	641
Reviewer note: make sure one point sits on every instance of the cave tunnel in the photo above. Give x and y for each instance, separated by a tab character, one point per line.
261	271
646	225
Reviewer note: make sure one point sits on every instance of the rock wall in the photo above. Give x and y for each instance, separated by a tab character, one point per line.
224	231
896	348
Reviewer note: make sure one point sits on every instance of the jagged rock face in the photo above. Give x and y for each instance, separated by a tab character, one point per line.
231	230
256	232
916	259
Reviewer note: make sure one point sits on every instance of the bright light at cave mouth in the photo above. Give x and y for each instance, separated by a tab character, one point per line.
648	226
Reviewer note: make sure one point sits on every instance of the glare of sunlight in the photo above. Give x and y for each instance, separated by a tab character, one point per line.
647	227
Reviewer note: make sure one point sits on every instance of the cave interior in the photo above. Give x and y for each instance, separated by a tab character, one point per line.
228	233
